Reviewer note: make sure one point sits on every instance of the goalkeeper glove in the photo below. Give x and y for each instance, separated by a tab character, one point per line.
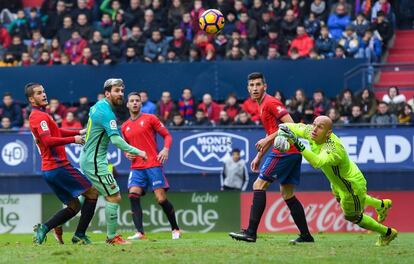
285	131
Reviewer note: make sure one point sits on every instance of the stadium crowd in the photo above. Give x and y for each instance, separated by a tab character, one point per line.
105	32
346	108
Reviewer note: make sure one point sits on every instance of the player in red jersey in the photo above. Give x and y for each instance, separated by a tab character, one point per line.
140	131
66	182
284	167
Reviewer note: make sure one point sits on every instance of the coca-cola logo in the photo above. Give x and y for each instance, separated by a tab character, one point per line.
321	216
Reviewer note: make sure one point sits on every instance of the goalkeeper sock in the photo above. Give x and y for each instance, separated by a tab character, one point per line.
374	202
369	223
87	212
111	215
168	209
256	210
298	215
136	209
61	217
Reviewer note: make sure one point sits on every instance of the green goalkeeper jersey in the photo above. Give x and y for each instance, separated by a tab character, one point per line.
101	126
332	158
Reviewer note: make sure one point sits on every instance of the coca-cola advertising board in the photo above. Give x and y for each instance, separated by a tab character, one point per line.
324	214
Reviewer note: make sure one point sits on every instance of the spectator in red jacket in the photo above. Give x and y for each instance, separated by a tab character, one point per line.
232	107
5	39
75	46
70	122
302	42
252	108
210	108
56	110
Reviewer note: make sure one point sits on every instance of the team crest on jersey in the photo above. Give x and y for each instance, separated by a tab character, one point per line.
128	128
112	124
44	126
142	123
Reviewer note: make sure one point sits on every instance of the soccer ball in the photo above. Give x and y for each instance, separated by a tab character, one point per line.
211	21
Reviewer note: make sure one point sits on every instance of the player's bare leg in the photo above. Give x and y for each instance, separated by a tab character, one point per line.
168	208
87	212
135	193
111	215
297	212
256	212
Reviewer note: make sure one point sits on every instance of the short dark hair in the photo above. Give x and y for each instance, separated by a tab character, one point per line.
134	93
7	94
256	75
28	89
144	91
382	102
235	150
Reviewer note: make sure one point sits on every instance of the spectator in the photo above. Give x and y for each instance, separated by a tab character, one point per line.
155	48
36	45
33	21
278	8
289	25
234	176
6	124
148	25
253	53
119	26
360	24
165	107
26	126
70	122
265	23
384	28
243	119
54	19
74	47
220	44
252	108
273	38
235	54
19	26
319	105
382	116
294	54
347	7
177	120
257	10
236	40
224	120
298	104
394	99
105	26
5	39
350	42
8	60
117	46
370	47
195	54
137	41
187	26
176	12
56	110
147	106
131	56
312	25
86	57
186	104
406	115
380	5
303	43
231	107
345	102
179	44
210	108
171	57
334	115
64	59
201	119
82	9
104	57
134	13
17	47
26	60
298	8
196	12
55	51
83	27
338	21
82	112
96	42
45	59
318	7
206	48
239	7
112	10
356	116
247	27
12	110
65	33
280	96
230	23
339	52
366	99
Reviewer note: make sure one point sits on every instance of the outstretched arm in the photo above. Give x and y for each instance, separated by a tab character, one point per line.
120	143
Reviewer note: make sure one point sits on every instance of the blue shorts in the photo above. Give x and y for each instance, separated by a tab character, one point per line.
286	169
151	177
67	182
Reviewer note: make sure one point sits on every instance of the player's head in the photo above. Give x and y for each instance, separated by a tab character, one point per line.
134	103
114	91
322	129
256	85
35	94
235	154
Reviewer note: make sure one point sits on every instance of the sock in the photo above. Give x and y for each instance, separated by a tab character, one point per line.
374	202
136	209
168	209
60	218
256	210
87	212
298	215
111	215
369	223
81	199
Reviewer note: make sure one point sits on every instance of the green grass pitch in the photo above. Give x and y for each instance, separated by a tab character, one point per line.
212	248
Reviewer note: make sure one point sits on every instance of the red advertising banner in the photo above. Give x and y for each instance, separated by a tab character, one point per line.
324	214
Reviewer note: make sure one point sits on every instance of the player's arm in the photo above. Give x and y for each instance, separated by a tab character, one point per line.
163	131
42	128
322	159
120	143
69	132
300	130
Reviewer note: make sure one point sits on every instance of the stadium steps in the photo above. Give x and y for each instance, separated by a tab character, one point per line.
401	52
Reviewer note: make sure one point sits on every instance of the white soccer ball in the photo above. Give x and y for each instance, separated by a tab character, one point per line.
281	144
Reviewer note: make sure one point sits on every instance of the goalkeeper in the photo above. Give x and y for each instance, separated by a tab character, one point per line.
347	182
